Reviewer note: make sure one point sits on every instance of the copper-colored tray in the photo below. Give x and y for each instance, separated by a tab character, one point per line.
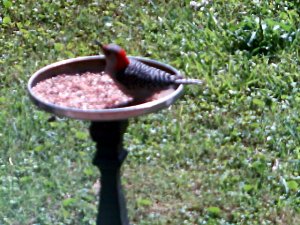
97	64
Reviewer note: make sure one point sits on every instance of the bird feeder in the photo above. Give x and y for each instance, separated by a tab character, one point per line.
106	129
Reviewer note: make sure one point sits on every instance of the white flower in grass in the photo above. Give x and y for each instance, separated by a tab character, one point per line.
197	5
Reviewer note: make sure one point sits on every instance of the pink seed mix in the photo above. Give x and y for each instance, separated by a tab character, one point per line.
81	91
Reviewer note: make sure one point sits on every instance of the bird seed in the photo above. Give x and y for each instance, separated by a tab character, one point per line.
82	91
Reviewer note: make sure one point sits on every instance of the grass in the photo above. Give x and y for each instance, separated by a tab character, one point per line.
225	153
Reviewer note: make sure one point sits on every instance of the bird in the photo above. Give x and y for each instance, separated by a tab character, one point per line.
135	78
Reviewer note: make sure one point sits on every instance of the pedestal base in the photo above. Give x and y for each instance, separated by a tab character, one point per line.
109	158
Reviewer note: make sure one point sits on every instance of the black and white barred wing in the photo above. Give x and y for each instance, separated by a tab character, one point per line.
138	74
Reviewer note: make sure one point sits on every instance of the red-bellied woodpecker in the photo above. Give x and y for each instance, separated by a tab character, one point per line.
135	78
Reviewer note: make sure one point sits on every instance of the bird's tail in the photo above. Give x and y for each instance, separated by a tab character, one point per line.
188	81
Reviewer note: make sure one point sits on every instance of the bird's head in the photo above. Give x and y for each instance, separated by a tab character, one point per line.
115	57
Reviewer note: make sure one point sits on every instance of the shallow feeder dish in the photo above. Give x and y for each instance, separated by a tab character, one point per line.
96	64
107	129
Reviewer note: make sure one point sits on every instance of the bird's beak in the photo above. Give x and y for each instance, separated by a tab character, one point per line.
96	42
104	49
101	45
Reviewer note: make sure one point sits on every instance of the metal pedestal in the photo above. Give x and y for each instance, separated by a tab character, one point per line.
109	158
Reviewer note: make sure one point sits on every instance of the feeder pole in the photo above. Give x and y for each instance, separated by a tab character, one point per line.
109	158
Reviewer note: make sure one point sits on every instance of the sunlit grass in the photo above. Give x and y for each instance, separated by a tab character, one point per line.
225	153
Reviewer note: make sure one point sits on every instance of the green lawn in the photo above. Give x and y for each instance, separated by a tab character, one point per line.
225	153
